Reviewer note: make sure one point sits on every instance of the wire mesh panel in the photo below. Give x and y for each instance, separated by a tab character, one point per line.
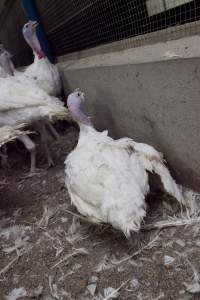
73	25
12	18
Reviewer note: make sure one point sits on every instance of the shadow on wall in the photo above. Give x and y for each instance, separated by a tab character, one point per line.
66	89
103	113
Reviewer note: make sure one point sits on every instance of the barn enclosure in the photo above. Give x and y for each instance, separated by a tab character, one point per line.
137	61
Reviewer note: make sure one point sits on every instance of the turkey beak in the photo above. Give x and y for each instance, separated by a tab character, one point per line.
35	24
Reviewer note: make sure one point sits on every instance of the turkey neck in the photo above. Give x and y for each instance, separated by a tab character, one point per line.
84	129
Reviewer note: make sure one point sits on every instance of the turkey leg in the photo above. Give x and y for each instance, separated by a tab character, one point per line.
52	130
30	146
44	141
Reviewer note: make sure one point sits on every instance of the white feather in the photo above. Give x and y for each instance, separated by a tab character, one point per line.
107	179
106	183
44	74
21	101
3	74
9	133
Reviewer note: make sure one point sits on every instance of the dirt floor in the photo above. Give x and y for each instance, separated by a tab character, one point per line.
46	252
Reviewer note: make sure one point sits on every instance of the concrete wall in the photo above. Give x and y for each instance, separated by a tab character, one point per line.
155	101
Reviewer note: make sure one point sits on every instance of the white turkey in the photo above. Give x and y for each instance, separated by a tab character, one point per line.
8	68
107	179
42	71
7	133
21	101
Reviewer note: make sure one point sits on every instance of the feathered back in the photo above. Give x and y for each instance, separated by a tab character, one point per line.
22	101
46	75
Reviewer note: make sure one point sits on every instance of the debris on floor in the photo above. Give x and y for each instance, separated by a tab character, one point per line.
48	252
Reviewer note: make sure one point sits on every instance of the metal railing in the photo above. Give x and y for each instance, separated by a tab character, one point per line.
73	25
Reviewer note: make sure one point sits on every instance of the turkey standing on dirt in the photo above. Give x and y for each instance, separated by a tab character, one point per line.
107	179
22	101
